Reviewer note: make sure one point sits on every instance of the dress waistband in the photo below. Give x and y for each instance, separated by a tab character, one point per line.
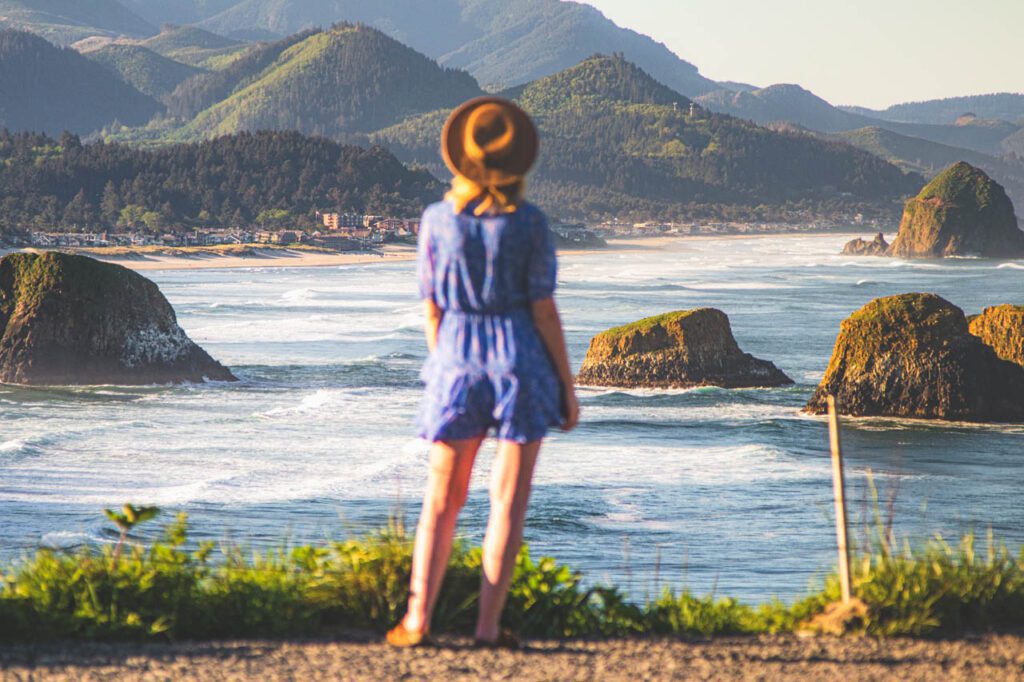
491	314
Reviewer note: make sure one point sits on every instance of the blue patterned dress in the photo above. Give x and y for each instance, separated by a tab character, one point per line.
490	368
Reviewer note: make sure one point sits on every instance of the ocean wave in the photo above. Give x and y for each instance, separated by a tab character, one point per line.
64	540
1010	266
15	445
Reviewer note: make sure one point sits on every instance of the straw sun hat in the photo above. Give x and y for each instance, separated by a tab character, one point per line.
490	141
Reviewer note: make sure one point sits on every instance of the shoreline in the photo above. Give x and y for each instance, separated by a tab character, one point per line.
214	258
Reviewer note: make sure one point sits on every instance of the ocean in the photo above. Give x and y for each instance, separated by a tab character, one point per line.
724	491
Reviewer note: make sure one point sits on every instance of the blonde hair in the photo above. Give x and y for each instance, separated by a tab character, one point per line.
493	199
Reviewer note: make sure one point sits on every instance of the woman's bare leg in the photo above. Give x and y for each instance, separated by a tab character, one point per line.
451	464
510	492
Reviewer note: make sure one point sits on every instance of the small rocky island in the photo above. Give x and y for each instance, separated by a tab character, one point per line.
913	355
961	212
683	349
862	247
72	320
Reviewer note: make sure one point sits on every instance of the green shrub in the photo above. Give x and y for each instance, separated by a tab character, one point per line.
169	592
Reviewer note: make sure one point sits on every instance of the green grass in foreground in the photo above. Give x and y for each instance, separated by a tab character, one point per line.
167	592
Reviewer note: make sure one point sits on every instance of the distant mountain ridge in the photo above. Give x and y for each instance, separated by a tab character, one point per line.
1004	106
51	89
794	104
501	42
66	21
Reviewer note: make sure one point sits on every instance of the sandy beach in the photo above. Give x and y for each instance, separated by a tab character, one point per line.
203	259
200	258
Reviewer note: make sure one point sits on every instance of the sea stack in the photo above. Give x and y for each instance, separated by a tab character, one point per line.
961	212
862	247
682	349
1002	328
913	355
72	320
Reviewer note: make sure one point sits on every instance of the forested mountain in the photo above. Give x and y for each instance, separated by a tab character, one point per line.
210	88
345	80
1004	106
617	142
66	21
913	154
191	45
51	89
143	69
500	42
225	182
794	104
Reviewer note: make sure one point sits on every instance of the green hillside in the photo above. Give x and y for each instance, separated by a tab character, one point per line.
348	79
51	89
64	22
193	46
145	70
617	142
203	92
929	158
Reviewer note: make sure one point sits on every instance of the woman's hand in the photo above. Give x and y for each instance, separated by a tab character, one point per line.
570	410
433	315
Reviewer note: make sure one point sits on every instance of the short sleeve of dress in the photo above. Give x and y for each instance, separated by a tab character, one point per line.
543	265
425	259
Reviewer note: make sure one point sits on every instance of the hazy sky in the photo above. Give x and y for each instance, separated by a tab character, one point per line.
867	52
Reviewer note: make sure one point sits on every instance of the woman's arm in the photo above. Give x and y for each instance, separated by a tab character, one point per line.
549	326
434	316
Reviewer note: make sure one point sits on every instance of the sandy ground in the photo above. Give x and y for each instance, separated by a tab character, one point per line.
988	658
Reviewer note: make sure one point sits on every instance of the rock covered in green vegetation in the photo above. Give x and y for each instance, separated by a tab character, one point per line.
68	320
681	349
1002	328
962	212
912	355
862	247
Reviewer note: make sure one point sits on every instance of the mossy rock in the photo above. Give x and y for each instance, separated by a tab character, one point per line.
961	212
67	320
1002	328
681	349
913	355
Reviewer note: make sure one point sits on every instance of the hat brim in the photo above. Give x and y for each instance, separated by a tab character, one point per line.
511	167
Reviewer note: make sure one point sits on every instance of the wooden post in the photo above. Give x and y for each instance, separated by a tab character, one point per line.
839	490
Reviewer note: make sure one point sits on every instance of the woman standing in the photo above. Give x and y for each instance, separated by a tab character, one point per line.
486	268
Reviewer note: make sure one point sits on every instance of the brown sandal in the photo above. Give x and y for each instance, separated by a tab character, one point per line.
506	640
401	638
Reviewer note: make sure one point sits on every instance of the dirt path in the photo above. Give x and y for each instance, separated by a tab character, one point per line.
361	658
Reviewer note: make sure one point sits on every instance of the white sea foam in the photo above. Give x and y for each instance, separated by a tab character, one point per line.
14	445
1010	266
